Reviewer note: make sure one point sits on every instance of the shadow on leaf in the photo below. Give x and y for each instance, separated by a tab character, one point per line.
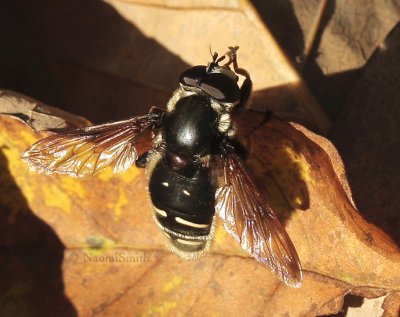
31	281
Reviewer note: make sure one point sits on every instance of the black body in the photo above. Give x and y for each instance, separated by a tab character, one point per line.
180	185
181	189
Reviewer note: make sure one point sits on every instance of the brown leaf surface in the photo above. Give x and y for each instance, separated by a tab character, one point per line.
330	42
340	35
114	262
367	135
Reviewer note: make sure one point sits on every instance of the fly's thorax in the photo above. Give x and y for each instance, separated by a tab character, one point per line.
223	109
192	127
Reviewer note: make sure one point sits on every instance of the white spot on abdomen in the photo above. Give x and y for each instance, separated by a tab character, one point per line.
162	213
189	242
191	224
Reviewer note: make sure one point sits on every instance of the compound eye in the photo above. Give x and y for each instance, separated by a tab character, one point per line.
193	76
221	87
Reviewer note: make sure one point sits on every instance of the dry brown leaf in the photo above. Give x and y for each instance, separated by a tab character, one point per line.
367	135
115	263
353	32
340	35
329	41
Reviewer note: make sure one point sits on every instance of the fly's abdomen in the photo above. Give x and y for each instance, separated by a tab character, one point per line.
184	208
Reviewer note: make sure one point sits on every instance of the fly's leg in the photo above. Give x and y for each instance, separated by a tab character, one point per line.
143	159
247	85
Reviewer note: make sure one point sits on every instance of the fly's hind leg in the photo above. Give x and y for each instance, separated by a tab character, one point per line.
143	160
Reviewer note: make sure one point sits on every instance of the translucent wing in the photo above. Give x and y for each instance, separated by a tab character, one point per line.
87	151
249	219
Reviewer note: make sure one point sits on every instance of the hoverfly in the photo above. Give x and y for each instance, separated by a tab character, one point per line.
194	168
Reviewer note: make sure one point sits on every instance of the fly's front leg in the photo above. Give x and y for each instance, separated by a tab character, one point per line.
245	89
